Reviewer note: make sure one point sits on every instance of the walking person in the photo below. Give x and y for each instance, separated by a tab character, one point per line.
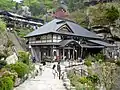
59	69
44	63
54	71
40	69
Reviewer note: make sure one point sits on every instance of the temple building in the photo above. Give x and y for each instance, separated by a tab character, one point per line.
14	20
64	39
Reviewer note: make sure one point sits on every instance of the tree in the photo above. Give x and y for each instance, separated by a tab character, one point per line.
38	7
2	26
24	10
2	29
80	17
24	57
108	74
7	4
112	14
75	5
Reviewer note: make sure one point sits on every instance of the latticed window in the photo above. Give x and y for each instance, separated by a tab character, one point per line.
43	37
37	38
49	37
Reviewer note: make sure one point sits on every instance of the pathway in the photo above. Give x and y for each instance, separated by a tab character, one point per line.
45	81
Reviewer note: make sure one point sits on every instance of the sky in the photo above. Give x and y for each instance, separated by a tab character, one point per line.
17	0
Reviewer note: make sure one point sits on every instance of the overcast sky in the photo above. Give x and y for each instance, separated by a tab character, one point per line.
17	0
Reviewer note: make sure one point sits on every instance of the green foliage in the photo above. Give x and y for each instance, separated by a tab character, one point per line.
2	26
6	83
88	63
13	75
112	14
80	17
108	74
93	78
20	68
83	80
23	32
73	77
99	57
38	7
7	4
75	5
97	15
24	57
103	14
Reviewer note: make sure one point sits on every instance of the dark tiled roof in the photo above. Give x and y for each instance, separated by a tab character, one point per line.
45	44
102	43
52	26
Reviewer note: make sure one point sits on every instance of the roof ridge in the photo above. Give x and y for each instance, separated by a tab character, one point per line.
64	19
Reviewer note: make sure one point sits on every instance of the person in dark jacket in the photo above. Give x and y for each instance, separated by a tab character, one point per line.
59	69
44	63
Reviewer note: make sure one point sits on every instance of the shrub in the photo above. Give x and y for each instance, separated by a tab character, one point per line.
24	57
74	78
88	63
20	68
83	80
99	57
13	75
6	83
91	58
93	78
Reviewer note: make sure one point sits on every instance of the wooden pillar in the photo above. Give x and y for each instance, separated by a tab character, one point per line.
73	53
63	53
40	56
51	51
69	53
76	54
81	52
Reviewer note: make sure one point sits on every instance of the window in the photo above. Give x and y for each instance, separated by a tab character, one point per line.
49	38
59	37
54	36
37	38
32	38
43	38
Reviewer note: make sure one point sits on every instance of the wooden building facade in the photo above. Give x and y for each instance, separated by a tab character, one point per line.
14	20
63	39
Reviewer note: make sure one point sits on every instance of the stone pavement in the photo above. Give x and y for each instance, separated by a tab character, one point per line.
45	81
